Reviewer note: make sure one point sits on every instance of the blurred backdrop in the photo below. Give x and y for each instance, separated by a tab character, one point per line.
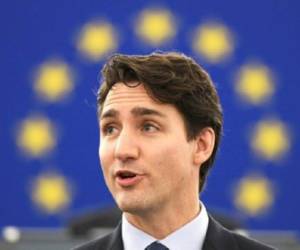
51	55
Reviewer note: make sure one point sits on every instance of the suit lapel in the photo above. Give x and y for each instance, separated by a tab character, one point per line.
116	242
218	238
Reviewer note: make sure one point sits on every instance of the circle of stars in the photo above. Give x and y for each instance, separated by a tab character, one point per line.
213	42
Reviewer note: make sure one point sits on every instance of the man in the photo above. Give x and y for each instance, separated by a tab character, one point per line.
160	123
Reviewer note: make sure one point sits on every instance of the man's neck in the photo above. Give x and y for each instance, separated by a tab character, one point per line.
163	222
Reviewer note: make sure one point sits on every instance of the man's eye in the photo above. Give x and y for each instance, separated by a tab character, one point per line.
108	130
148	127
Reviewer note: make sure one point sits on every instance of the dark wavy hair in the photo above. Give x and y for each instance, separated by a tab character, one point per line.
171	78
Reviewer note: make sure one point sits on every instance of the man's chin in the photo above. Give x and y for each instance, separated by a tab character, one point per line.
132	206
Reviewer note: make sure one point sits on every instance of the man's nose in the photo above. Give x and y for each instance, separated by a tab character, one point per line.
126	146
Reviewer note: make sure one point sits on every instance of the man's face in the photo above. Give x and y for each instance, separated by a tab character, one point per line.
146	159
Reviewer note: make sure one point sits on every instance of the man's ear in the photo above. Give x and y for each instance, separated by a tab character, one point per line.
204	145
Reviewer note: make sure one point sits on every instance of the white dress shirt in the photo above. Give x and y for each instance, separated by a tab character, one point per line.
190	236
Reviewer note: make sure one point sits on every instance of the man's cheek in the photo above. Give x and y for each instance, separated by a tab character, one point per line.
105	173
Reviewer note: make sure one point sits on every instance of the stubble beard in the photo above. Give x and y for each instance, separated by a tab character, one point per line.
136	204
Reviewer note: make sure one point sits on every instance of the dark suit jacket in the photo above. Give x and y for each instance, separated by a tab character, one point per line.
217	238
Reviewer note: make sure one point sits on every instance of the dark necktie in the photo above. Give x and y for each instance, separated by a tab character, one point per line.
156	246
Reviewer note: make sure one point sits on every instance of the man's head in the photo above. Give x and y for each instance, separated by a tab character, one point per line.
175	79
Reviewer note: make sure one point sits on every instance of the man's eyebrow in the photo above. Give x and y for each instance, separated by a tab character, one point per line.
141	111
110	113
137	111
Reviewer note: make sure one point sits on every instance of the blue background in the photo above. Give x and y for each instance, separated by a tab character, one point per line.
33	31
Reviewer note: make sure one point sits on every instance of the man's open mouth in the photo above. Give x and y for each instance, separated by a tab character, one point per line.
124	174
126	178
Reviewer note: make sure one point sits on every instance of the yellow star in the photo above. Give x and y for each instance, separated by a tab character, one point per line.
254	195
270	139
156	26
255	83
96	40
213	41
53	81
51	193
36	136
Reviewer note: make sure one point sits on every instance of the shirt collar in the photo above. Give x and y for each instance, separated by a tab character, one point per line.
190	236
134	238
